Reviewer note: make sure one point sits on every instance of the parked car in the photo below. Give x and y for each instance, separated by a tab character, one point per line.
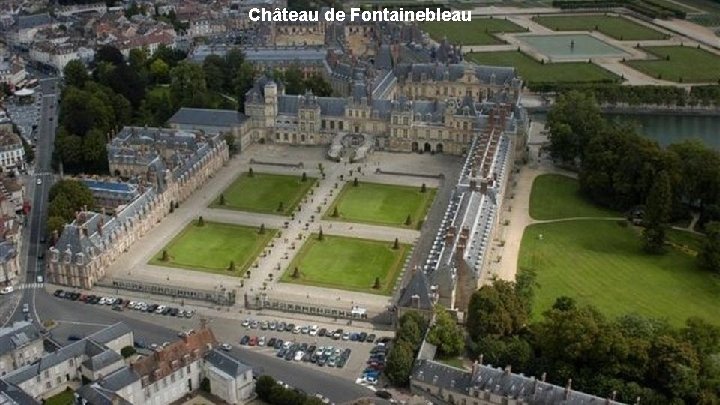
226	347
253	341
362	337
271	342
73	338
278	344
322	332
245	340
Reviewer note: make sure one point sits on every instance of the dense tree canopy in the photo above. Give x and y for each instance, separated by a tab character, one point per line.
66	198
446	334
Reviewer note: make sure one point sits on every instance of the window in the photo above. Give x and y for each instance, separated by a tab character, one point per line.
172	378
405	120
340	125
285	136
48	385
332	124
187	369
46	374
277	137
322	124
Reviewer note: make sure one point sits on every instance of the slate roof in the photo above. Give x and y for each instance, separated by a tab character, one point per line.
7	253
417	72
418	285
12	395
226	363
112	332
102	360
208	117
17	336
119	379
94	394
33	20
500	382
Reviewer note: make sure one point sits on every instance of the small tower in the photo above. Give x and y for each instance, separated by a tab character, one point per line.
270	91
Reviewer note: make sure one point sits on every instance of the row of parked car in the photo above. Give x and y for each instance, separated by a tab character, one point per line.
375	364
322	356
119	304
312	330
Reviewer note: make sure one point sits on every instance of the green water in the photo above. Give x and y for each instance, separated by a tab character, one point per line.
570	46
667	129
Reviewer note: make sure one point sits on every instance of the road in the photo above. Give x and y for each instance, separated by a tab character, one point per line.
34	245
82	319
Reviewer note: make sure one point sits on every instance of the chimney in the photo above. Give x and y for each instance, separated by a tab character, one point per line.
473	185
483	186
475	368
568	389
450	235
508	370
544	376
480	358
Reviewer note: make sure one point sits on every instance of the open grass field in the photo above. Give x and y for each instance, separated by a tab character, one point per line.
213	246
477	32
602	263
263	192
555	196
612	26
672	64
347	264
535	72
64	398
382	204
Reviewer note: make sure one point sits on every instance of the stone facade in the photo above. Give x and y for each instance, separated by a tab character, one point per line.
169	165
20	344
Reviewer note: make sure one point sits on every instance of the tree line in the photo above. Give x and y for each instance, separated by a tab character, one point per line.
632	356
66	198
623	170
614	93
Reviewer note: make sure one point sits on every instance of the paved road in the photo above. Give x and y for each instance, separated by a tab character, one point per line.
82	319
38	213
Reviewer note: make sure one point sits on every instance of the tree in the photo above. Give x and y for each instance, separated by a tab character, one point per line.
281	207
408	220
376	284
573	120
335	212
423	188
231	266
497	310
187	86
396	244
251	173
356	182
127	351
222	199
55	224
304	177
657	212
205	384
411	328
320	234
399	364
75	74
564	303
262	229
445	333
296	273
264	386
165	256
110	54
68	196
159	71
201	221
318	85
709	255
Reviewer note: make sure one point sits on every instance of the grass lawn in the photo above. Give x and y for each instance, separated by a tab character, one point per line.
705	66
66	397
211	248
691	242
477	32
555	196
384	204
534	71
612	26
602	263
263	192
348	264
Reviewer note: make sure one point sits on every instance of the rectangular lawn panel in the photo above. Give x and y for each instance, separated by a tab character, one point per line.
348	264
477	32
602	263
213	246
536	72
680	64
616	27
263	192
382	204
555	196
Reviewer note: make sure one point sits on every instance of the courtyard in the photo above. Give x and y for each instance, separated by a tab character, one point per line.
348	264
213	246
534	72
479	31
382	204
264	193
601	261
671	63
619	28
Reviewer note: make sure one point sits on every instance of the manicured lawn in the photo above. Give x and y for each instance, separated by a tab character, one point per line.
612	26
263	192
384	204
477	32
348	264
692	242
556	196
602	263
63	398
534	71
704	66
213	246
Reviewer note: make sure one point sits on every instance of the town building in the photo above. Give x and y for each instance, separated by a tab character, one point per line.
20	344
486	385
167	165
92	357
12	152
173	371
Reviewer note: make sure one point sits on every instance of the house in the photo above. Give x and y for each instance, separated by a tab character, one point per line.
20	344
